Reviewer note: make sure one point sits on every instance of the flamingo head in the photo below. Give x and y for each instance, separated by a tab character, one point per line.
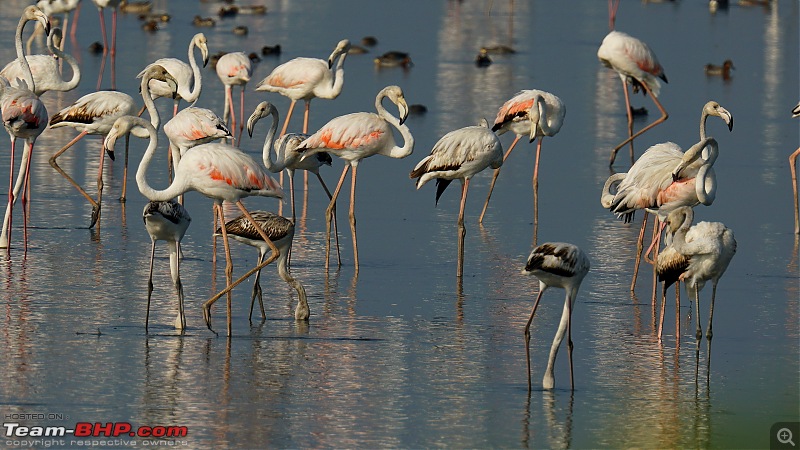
341	49
34	13
713	108
122	127
263	109
55	37
158	72
395	95
201	43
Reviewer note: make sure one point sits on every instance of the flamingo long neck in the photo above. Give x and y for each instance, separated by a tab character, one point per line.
543	122
703	119
175	189
408	139
279	164
548	381
679	237
194	93
607	197
149	104
26	68
338	77
706	180
73	64
302	310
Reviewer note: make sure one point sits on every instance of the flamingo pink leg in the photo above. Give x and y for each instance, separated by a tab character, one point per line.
664	116
793	167
528	336
462	231
352	217
288	116
105	48
494	179
536	191
330	217
10	208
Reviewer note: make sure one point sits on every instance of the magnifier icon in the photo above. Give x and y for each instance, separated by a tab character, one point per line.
785	436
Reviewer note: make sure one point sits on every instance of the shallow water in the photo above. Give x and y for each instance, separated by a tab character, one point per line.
403	355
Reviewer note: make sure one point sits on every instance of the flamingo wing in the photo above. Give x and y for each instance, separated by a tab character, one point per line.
351	137
93	108
298	76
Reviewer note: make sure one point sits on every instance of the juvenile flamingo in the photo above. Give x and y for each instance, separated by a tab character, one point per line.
219	172
281	231
234	69
701	253
793	167
45	68
531	113
95	113
459	155
356	136
636	64
188	76
167	221
24	116
306	79
556	264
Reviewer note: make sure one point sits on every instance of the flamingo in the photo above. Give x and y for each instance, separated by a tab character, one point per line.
307	78
563	265
95	113
793	168
45	68
532	113
636	64
114	5
191	127
281	231
234	69
460	154
652	172
184	74
356	136
167	221
220	172
24	116
52	7
700	253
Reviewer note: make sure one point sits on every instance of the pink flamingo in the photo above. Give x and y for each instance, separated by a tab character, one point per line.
95	113
101	5
52	7
234	69
45	68
306	79
459	155
356	136
556	264
531	113
220	172
191	127
636	64
24	116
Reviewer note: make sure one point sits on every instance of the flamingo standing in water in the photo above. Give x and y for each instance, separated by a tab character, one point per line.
356	136
700	253
306	79
188	76
459	155
51	8
95	113
220	172
191	127
45	68
531	113
24	116
793	167
556	264
281	231
167	221
636	64
234	69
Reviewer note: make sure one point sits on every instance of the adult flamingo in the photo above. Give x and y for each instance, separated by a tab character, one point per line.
24	116
356	136
563	265
102	5
234	69
167	221
51	8
306	79
220	172
793	168
636	64
281	231
193	126
701	253
95	113
459	155
531	113
45	68
188	76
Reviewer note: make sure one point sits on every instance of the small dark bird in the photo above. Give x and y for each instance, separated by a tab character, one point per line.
498	50
271	50
724	70
96	48
394	59
241	30
203	21
369	41
483	60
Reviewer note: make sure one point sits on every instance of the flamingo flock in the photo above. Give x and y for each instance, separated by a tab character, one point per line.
665	180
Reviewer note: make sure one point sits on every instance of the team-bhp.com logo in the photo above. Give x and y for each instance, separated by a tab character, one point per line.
89	430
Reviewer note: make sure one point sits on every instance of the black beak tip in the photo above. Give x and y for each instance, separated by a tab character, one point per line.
110	154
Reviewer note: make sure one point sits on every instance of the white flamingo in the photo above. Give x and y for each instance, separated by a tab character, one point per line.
167	221
45	68
234	69
556	264
698	253
356	136
219	172
95	113
459	155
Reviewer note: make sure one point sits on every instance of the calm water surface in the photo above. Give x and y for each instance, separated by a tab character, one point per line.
403	355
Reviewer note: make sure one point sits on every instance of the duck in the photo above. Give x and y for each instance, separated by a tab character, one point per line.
229	11
135	7
253	9
483	59
203	21
150	25
158	17
498	50
240	30
394	59
271	50
96	48
369	41
724	70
